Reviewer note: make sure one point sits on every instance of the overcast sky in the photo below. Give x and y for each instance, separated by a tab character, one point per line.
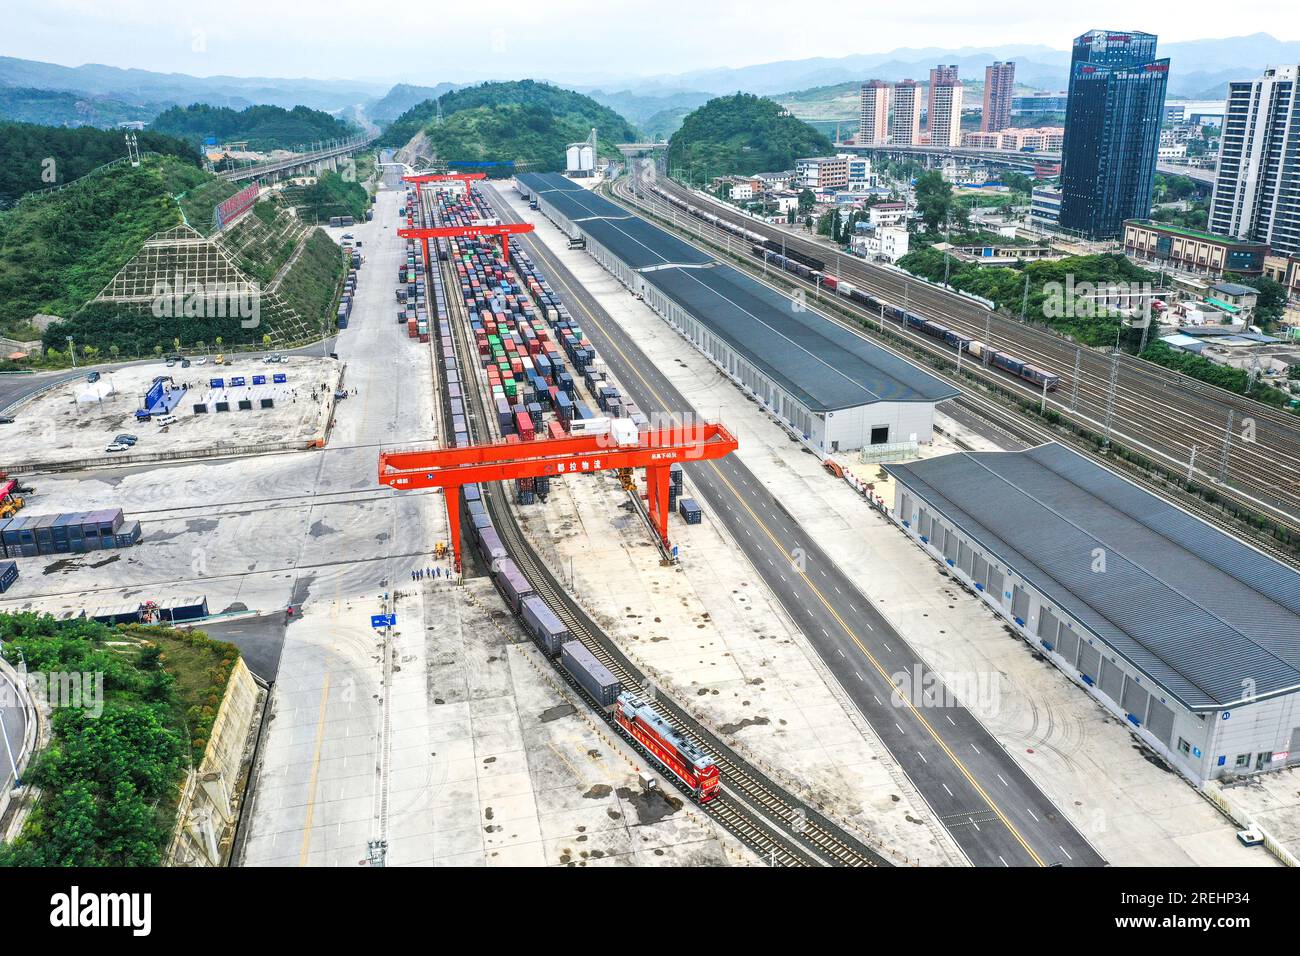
433	40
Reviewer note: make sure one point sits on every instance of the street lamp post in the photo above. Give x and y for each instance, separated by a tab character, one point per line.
72	350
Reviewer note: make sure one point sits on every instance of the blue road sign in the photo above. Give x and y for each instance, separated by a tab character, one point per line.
237	381
383	620
279	378
259	379
216	383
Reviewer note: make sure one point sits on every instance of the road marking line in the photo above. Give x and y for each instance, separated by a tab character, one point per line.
315	771
1004	783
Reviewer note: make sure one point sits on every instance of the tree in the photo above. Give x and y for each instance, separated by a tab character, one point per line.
114	351
266	341
934	199
806	201
158	351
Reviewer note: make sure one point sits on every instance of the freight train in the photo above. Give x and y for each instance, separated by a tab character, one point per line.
642	723
639	720
812	269
760	242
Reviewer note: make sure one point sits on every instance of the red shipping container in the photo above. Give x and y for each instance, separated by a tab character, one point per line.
524	425
556	429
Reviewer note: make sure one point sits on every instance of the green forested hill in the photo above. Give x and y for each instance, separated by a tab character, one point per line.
262	127
522	121
741	134
34	157
58	251
69	108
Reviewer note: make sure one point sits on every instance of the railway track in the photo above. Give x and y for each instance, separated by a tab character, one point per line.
757	811
698	232
1156	410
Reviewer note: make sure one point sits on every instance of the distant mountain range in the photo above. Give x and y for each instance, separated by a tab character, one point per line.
143	87
1198	68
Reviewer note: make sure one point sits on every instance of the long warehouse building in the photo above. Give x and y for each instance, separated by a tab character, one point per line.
834	389
1180	629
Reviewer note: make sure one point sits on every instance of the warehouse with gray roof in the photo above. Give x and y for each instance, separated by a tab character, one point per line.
1183	631
831	387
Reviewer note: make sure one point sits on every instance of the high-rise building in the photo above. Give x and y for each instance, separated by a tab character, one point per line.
873	123
939	76
999	84
905	119
945	113
1257	189
1112	131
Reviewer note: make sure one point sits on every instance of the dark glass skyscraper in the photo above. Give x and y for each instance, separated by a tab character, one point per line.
1112	131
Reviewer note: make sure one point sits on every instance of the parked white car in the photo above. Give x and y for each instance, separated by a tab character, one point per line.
166	420
117	446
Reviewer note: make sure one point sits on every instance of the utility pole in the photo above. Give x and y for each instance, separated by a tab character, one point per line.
1110	399
1227	446
1074	386
1024	298
1191	465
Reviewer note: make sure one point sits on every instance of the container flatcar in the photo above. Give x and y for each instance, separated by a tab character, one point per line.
593	676
547	629
489	545
513	584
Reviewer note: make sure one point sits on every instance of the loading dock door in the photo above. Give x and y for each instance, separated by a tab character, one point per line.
1135	700
1020	602
981	572
1112	680
1089	661
1067	645
1160	721
994	583
966	558
1047	624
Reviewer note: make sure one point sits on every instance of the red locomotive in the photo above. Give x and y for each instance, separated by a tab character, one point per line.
677	754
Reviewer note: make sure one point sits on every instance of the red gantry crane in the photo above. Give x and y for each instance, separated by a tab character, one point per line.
425	233
504	230
622	448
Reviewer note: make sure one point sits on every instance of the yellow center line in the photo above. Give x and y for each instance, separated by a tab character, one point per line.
315	771
956	761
